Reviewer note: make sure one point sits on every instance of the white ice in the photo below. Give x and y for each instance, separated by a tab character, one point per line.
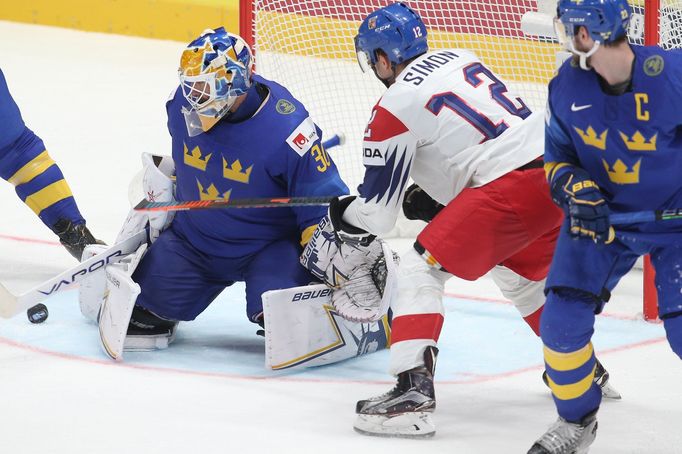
98	101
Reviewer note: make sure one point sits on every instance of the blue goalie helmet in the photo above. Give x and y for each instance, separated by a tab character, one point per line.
395	29
605	20
215	69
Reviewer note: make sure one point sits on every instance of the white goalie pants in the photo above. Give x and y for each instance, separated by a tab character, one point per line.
418	309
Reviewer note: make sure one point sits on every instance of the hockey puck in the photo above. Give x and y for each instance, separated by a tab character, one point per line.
37	314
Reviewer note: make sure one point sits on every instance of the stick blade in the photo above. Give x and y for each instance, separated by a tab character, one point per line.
8	303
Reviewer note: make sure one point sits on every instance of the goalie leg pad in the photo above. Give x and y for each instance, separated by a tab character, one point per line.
119	300
303	330
417	312
92	288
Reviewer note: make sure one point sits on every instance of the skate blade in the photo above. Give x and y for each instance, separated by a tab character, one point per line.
407	425
609	392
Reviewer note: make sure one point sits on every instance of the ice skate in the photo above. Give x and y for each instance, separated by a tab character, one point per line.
564	437
601	378
405	411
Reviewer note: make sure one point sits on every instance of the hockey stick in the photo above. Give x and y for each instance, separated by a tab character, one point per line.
646	216
145	205
11	304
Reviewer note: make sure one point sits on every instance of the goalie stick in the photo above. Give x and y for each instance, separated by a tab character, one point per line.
11	304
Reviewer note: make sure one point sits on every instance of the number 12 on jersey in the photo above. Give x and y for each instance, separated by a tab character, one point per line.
497	90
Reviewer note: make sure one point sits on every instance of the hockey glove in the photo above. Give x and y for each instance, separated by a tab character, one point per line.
417	204
352	262
74	237
584	204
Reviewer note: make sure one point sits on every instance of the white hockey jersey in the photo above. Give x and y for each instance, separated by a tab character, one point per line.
449	123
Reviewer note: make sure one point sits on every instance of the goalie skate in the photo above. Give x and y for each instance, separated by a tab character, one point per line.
405	411
564	437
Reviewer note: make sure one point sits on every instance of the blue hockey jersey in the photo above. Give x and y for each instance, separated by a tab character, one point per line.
631	144
274	153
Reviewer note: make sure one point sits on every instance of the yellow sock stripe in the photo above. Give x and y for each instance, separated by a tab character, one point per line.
48	196
568	361
574	390
32	169
307	234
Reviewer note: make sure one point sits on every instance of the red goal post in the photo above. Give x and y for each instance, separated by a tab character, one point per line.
308	46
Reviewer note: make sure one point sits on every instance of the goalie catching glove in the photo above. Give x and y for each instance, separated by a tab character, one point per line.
360	267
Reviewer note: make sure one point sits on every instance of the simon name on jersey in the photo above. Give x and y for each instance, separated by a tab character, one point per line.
423	67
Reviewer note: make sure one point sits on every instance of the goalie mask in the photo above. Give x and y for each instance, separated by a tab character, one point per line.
215	69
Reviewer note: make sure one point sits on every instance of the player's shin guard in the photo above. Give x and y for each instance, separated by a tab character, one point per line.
417	312
566	328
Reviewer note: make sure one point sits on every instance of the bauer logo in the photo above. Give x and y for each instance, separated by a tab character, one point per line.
285	107
303	137
309	295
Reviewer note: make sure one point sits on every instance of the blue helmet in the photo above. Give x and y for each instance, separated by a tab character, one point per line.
605	20
395	29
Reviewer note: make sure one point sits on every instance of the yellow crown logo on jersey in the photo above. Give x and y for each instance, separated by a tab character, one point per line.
212	193
591	138
639	142
194	158
234	172
619	174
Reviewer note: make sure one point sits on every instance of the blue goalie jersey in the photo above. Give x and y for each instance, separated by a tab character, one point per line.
631	144
275	153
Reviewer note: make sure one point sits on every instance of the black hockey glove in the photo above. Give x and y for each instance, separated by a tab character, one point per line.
74	237
417	204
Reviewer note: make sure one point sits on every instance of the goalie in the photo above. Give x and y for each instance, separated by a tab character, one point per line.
450	123
234	135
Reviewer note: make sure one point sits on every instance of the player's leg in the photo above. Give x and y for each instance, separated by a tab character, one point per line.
177	283
667	261
276	266
417	320
579	283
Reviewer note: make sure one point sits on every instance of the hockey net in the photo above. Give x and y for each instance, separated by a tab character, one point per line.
307	45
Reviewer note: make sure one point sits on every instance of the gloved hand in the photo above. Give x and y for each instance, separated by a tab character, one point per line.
353	263
417	204
584	204
74	237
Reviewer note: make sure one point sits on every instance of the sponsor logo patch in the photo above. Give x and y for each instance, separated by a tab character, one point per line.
373	156
303	137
